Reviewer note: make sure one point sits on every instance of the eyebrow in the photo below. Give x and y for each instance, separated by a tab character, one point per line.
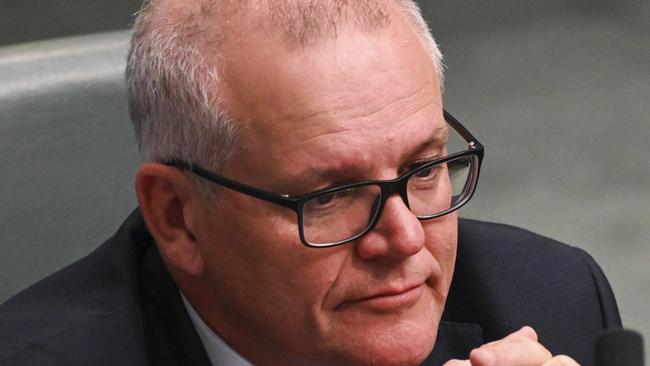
439	138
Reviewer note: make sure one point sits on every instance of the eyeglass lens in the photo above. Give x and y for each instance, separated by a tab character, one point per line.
333	217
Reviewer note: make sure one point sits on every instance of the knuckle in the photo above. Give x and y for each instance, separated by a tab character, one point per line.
529	332
562	360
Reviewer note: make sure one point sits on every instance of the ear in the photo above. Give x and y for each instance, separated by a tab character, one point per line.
170	205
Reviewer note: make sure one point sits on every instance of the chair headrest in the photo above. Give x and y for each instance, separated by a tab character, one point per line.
67	152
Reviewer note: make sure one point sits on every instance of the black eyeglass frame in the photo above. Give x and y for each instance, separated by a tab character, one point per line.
387	187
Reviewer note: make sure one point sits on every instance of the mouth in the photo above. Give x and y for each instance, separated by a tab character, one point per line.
388	301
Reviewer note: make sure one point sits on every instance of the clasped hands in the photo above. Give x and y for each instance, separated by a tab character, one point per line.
520	348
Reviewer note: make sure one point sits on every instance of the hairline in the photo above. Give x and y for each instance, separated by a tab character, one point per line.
209	113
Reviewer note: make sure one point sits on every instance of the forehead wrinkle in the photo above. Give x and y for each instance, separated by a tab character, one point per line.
396	103
312	126
301	114
357	164
342	136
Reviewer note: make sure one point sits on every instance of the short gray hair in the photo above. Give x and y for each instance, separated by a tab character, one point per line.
172	78
169	78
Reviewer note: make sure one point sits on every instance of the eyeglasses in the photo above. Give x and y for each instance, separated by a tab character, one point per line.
342	214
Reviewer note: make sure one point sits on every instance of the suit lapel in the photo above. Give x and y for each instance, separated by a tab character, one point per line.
170	335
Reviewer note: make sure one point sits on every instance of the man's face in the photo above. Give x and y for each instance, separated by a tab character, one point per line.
361	106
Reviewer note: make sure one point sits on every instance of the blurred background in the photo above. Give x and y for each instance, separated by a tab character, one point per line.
557	90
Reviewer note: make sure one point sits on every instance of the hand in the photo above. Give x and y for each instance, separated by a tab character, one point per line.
517	349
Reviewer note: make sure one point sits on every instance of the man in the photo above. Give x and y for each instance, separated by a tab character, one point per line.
298	206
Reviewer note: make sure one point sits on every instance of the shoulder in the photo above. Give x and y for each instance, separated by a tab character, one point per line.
86	313
478	233
511	247
510	258
507	277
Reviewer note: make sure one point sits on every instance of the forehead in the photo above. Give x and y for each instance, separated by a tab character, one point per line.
341	99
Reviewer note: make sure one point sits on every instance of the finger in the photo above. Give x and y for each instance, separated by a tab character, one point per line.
561	360
528	332
483	357
516	349
524	332
457	363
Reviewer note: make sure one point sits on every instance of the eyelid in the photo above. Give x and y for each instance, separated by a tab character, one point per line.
420	162
413	165
434	154
323	186
433	151
334	185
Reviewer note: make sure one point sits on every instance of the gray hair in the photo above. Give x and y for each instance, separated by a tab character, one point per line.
172	77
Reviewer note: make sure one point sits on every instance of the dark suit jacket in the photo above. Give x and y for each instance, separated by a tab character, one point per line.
119	306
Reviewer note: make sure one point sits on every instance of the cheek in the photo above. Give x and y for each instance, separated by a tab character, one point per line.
441	241
271	280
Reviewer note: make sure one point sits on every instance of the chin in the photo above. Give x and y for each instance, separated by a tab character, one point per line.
409	349
401	343
396	354
402	337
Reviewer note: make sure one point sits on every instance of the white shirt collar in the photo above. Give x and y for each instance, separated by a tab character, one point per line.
219	353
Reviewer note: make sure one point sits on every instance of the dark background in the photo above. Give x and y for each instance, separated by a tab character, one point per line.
557	90
26	20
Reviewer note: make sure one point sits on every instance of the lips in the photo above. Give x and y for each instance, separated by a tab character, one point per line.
387	300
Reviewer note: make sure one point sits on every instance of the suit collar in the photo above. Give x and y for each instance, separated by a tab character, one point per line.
170	335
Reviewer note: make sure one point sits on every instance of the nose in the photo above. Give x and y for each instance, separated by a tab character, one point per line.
398	233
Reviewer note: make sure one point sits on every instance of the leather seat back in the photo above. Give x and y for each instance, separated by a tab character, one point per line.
67	152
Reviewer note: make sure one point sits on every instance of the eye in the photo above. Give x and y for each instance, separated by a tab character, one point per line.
428	173
329	200
325	199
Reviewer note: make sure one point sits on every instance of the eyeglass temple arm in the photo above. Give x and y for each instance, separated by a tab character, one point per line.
236	186
461	129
